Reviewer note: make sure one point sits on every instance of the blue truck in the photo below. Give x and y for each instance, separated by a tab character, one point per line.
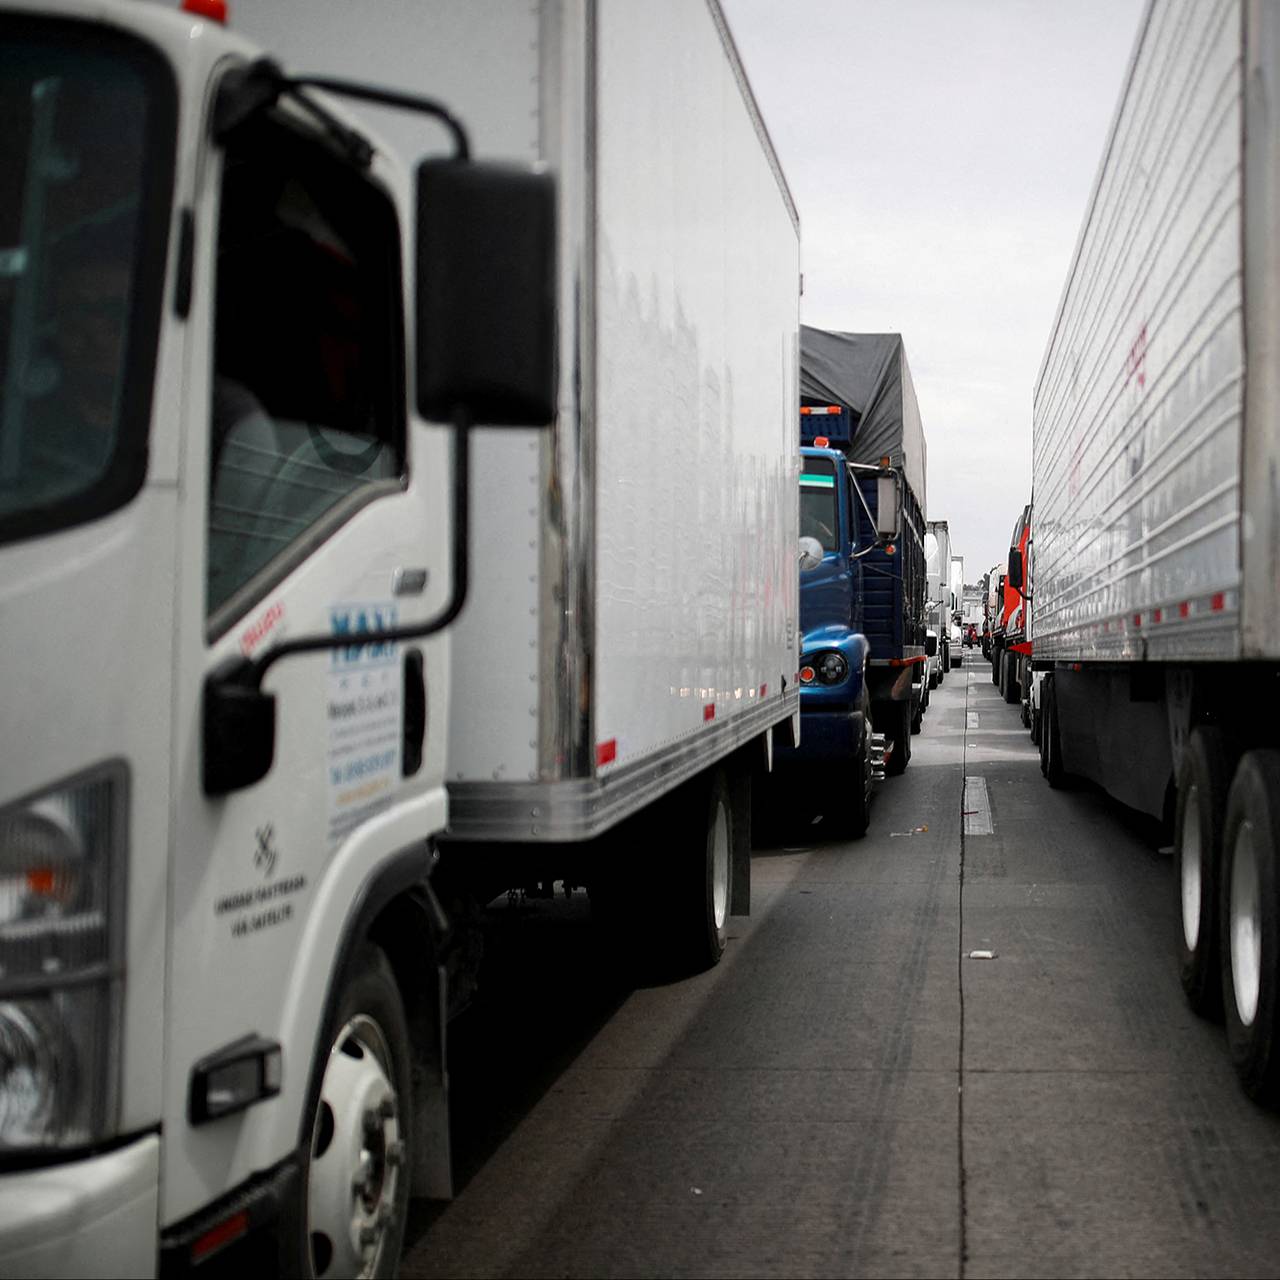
862	603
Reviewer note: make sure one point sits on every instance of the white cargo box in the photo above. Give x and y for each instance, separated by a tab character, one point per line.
1156	469
634	603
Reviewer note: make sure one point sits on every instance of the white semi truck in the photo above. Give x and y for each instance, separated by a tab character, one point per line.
239	724
1156	602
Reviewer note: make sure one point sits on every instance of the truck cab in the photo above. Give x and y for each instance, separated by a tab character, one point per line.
225	570
836	734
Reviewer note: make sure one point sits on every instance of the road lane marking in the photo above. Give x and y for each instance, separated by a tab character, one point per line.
977	808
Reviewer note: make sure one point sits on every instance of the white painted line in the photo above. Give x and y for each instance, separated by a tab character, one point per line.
977	808
971	721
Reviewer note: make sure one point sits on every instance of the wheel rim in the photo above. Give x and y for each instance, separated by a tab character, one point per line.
1246	937
720	867
1190	854
356	1154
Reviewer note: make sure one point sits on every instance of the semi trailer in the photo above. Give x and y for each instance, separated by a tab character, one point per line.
1156	603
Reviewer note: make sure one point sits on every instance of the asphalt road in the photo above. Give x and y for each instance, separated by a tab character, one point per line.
853	1091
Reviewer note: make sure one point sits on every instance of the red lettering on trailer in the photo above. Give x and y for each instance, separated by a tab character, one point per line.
1136	361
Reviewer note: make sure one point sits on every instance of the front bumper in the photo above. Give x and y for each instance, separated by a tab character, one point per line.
826	737
94	1217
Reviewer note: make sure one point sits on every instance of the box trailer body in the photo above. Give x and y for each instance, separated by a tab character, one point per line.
187	953
635	612
1157	487
938	600
868	375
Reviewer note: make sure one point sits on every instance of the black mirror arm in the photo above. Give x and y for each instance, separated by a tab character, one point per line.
252	88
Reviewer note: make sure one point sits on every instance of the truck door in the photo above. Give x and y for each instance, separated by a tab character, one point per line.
302	517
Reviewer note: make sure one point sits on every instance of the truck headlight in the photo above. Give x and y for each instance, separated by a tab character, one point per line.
829	667
61	962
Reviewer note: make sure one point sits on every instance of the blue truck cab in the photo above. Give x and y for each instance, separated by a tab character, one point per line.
836	755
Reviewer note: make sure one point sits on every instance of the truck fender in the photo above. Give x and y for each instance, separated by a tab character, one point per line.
398	910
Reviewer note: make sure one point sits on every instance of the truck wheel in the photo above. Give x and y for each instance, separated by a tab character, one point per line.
1250	929
857	813
997	656
1009	677
355	1186
1197	857
1051	739
917	716
899	721
702	816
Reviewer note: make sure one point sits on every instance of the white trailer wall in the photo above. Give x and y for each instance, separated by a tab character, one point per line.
1138	408
697	402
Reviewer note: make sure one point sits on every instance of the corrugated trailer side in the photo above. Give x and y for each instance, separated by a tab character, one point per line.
1139	406
1157	497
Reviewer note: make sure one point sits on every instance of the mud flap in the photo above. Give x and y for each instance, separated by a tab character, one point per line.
433	1153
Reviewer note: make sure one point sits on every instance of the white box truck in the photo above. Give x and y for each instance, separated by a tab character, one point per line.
938	599
231	539
1156	602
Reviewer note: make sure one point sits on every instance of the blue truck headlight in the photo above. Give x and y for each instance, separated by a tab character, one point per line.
828	667
61	971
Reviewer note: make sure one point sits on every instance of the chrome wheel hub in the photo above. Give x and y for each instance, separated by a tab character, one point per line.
720	867
1192	872
1245	926
356	1155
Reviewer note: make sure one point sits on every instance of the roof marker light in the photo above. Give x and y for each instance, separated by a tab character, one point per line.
821	442
214	10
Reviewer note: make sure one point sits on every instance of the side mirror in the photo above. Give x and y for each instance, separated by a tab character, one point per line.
887	506
486	293
1015	569
811	554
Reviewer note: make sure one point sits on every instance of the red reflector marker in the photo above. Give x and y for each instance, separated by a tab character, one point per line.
223	1234
1184	609
764	688
606	752
214	10
1137	619
1218	601
709	711
1159	615
807	675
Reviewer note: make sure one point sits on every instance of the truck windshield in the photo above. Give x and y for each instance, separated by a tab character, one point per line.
86	153
819	516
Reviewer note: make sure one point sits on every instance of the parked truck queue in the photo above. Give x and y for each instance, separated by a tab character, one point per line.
406	505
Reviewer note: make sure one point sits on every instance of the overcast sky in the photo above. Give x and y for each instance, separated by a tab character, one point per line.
942	153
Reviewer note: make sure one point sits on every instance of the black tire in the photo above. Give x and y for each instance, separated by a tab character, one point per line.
1037	719
997	657
1250	930
1009	685
1198	822
856	815
703	876
367	1033
1051	738
899	722
917	716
